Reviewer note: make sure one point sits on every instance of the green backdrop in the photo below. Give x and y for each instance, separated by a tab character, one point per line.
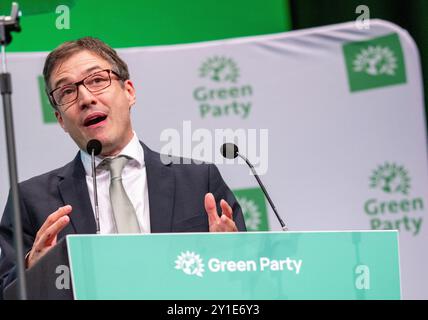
146	22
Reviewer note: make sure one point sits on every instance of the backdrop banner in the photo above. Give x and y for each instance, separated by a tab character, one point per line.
332	117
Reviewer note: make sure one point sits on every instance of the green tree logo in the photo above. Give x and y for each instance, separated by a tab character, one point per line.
47	110
219	69
376	60
390	178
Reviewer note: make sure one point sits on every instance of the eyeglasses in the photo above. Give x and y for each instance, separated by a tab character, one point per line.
69	93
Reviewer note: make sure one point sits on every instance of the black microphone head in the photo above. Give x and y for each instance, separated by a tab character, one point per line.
229	150
94	145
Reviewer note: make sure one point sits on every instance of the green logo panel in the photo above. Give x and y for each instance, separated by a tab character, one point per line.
47	110
375	63
253	204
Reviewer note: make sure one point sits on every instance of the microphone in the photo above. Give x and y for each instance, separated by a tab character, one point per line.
94	147
231	151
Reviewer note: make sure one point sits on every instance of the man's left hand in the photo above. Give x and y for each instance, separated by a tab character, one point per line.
224	223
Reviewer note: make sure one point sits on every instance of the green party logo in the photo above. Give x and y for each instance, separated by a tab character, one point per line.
375	63
391	178
220	69
190	263
220	93
47	110
394	208
253	205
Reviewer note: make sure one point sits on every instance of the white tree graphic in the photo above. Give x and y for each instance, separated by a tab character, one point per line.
251	213
375	61
190	263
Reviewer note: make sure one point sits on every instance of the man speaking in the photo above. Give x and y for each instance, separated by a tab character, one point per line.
138	191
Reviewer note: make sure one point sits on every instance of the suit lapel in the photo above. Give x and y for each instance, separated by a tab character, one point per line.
161	186
74	191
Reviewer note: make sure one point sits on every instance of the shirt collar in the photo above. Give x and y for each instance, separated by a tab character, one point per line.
133	150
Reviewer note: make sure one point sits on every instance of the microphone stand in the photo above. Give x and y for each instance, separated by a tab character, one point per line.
283	226
9	24
94	183
94	147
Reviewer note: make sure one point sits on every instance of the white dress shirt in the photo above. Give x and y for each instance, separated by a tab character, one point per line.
134	180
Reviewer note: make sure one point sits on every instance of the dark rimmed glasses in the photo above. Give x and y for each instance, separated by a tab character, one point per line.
67	94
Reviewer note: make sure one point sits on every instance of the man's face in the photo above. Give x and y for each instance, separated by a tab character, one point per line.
103	115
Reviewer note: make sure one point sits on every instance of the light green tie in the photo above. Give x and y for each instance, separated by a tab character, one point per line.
123	210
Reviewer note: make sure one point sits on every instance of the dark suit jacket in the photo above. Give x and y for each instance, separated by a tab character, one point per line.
176	200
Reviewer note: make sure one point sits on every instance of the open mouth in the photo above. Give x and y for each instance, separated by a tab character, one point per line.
93	120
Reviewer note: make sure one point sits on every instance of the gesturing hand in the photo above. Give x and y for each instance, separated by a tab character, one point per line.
47	235
224	223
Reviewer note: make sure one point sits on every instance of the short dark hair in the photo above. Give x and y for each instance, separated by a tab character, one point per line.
94	45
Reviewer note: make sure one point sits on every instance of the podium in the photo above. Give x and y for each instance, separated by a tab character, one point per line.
207	266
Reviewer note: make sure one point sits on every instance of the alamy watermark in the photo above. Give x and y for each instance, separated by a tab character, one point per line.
203	145
363	20
62	22
63	279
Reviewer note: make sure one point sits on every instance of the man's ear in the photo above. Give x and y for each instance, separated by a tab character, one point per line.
130	91
60	120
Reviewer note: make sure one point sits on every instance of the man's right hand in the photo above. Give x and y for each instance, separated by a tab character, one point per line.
47	236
